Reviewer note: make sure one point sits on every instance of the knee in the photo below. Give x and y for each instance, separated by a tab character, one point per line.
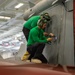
29	49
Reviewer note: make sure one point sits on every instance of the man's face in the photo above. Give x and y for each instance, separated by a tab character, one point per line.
44	25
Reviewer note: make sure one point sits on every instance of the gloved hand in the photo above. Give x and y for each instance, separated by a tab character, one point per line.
49	39
51	34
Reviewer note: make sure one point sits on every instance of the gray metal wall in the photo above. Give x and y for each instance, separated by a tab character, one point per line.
61	51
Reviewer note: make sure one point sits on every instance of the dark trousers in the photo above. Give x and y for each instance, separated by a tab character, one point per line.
36	52
26	32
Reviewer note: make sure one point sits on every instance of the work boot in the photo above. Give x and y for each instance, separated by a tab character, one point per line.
25	56
27	60
36	61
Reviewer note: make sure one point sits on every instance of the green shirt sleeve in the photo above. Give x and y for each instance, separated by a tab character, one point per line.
43	37
37	39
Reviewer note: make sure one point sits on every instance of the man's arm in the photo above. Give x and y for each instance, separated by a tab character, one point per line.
37	39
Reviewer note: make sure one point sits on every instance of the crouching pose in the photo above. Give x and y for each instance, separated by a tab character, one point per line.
32	22
36	43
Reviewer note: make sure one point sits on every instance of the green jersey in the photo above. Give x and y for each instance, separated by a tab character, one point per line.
32	22
36	36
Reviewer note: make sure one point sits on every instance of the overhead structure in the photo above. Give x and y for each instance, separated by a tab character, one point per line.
39	7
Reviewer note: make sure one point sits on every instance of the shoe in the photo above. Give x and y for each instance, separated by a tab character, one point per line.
25	56
27	60
36	61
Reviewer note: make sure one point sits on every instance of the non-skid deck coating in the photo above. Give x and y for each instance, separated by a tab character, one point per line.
24	68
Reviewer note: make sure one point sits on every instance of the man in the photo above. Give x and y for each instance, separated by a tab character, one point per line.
36	42
32	22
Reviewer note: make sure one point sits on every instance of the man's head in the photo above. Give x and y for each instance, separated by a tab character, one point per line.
42	23
46	16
